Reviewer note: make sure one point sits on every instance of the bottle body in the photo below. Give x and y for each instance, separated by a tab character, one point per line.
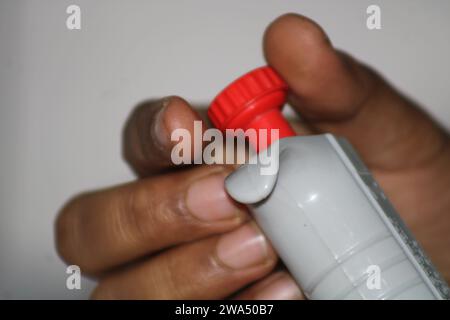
334	228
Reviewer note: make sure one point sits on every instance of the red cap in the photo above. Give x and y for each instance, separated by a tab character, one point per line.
253	101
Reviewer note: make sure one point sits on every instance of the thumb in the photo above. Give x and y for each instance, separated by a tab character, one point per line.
334	93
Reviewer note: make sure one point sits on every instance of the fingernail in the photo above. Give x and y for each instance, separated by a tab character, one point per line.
283	287
159	130
207	200
243	248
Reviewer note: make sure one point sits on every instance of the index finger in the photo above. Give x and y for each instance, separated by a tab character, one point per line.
147	143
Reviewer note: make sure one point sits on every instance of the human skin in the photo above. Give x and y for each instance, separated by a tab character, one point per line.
175	234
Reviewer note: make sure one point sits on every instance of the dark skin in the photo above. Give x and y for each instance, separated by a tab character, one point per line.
142	239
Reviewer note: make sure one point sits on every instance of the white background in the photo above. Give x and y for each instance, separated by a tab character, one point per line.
64	95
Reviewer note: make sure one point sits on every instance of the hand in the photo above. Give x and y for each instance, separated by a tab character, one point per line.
173	234
408	153
176	234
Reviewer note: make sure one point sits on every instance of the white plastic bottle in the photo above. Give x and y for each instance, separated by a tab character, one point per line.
325	215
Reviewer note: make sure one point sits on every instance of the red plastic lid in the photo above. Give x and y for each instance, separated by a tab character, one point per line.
252	101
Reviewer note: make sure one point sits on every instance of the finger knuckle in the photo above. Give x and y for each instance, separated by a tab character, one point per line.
139	214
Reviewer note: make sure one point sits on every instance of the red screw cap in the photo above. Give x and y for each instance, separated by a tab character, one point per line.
253	101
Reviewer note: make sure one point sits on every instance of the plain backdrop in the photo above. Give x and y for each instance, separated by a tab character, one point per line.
64	95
